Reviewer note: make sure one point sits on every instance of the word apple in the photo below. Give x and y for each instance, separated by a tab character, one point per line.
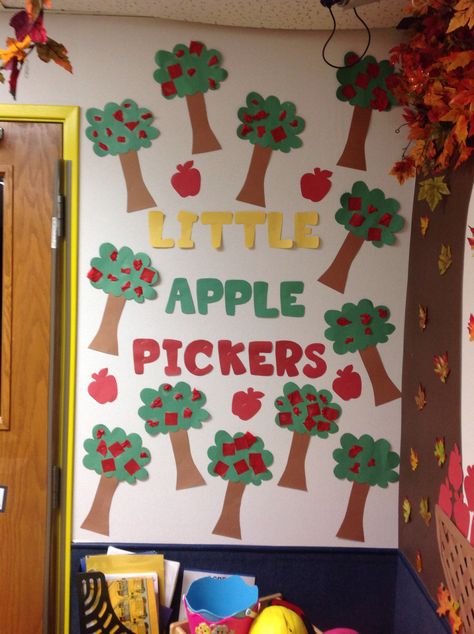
348	383
104	387
187	180
246	404
314	186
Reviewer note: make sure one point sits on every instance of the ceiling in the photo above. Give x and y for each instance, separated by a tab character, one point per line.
271	14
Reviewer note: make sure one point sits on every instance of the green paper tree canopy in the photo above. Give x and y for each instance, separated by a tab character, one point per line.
120	128
188	70
116	454
123	273
366	461
307	411
270	123
368	214
358	326
367	83
240	458
170	409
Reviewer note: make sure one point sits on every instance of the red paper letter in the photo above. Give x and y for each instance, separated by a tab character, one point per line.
320	365
287	354
172	346
200	346
144	351
228	357
257	349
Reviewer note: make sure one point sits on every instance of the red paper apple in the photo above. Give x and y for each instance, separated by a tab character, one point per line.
314	186
104	387
187	180
246	404
348	384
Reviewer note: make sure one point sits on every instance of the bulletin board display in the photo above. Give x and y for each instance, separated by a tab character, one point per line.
242	279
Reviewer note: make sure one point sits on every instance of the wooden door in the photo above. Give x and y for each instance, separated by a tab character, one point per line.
28	156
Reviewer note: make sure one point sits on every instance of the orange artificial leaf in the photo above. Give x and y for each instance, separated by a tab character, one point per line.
425	510
445	259
16	49
420	398
54	51
418	562
413	459
448	607
422	317
470	327
441	366
471	240
460	129
464	16
404	169
406	510
424	223
440	451
457	59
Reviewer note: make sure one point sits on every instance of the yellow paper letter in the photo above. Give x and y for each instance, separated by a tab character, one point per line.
155	228
304	220
186	219
216	219
250	219
275	224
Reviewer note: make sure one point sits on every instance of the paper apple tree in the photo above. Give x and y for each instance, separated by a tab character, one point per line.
306	412
268	125
123	275
240	459
367	216
175	410
366	85
359	328
365	462
190	71
116	457
123	129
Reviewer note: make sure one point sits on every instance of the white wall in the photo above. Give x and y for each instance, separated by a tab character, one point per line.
113	59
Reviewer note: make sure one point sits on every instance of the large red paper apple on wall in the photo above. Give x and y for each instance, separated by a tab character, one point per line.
246	404
348	383
315	185
103	388
187	180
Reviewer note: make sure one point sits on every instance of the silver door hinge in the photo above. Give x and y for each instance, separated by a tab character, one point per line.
55	487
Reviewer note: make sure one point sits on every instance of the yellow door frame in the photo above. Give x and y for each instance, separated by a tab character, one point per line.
68	116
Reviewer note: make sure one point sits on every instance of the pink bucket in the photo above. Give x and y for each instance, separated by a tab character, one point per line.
218	606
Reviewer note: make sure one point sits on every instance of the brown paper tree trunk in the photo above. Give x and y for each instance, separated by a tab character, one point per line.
352	526
294	475
138	196
204	139
228	523
354	151
253	190
106	339
384	388
336	275
187	474
97	519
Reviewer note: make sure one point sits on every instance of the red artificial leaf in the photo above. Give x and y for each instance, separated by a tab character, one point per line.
24	26
470	327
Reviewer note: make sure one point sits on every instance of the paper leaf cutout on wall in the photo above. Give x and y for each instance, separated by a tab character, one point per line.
269	125
173	410
187	180
368	216
424	224
117	457
103	388
367	85
247	404
414	459
440	451
455	472
445	259
425	510
441	366
240	459
359	328
418	562
420	398
406	510
122	129
365	462
190	72
422	317
448	607
471	239
305	412
315	185
432	190
470	327
123	275
445	497
348	384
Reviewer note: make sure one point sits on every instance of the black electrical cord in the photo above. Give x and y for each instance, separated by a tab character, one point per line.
323	52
